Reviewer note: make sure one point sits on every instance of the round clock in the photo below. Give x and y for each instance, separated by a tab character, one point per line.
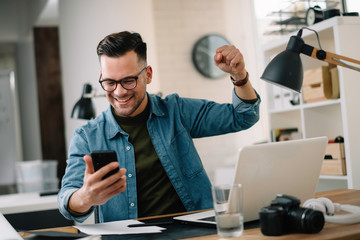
203	54
314	15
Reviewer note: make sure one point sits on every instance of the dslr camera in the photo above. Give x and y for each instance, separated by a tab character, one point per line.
285	215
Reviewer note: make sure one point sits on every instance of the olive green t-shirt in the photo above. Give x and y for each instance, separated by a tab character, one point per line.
155	193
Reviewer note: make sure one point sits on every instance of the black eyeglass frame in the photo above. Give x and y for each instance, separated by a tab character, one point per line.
121	80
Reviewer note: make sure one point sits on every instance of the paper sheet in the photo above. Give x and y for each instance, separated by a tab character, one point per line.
117	228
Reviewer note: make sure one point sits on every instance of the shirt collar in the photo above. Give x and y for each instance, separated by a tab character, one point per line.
113	128
156	107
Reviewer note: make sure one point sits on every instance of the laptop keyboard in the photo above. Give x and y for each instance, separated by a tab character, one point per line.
247	225
211	219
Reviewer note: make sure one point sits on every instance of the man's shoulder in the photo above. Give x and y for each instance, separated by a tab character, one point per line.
159	98
160	102
100	121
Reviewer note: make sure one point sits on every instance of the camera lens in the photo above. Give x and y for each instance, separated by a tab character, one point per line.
314	221
306	220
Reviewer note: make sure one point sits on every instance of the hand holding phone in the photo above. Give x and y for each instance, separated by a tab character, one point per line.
102	158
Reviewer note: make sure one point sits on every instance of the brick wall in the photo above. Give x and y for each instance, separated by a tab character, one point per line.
178	25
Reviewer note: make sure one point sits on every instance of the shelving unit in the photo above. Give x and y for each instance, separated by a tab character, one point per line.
331	118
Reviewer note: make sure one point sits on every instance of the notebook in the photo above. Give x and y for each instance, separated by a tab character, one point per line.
7	231
265	170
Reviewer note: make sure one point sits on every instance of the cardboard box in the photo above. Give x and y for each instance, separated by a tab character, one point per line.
320	84
336	165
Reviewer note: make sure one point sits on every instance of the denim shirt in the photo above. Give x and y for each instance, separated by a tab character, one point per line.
172	124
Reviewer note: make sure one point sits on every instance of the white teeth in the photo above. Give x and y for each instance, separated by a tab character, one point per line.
122	100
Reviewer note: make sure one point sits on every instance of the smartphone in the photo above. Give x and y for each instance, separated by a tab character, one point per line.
102	158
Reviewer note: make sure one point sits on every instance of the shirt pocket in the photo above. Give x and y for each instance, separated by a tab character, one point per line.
186	155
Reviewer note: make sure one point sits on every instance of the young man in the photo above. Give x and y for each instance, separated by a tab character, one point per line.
160	169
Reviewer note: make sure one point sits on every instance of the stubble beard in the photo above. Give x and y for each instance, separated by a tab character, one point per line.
126	111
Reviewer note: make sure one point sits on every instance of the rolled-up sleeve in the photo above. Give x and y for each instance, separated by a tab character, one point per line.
74	174
250	111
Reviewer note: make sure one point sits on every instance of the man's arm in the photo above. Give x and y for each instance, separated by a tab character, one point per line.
229	59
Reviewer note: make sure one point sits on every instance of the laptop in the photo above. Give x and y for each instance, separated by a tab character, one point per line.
265	170
7	231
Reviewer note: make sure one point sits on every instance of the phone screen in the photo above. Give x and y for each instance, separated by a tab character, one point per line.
102	158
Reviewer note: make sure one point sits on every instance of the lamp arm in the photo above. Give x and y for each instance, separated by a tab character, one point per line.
337	59
329	57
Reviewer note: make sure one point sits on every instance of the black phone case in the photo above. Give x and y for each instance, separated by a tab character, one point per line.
102	158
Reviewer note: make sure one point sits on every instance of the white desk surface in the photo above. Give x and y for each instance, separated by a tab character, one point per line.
26	202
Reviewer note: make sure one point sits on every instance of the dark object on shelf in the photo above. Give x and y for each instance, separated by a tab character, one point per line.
331	13
356	14
293	16
295	99
339	139
314	15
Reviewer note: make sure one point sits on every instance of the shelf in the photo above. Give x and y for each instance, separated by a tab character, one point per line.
322	104
321	26
333	177
283	110
333	117
306	106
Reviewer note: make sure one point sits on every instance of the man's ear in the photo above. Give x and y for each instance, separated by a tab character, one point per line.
149	74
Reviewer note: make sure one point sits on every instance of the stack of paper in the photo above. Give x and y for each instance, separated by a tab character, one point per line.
117	228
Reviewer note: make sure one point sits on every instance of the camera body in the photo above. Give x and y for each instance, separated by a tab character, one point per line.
285	215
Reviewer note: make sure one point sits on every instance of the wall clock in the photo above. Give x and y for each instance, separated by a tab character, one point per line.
203	54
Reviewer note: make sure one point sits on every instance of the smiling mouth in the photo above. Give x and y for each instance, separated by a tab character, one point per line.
122	100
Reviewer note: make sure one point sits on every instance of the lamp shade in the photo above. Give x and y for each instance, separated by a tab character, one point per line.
286	68
84	107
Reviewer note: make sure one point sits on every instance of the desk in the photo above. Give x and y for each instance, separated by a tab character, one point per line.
330	231
31	211
26	202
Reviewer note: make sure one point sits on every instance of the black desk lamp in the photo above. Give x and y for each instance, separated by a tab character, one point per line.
286	68
84	107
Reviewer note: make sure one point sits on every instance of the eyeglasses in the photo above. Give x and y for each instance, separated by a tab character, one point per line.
128	83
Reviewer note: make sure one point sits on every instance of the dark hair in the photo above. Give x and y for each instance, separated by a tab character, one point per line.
118	44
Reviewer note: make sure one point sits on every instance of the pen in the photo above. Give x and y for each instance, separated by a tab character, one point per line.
42	194
149	224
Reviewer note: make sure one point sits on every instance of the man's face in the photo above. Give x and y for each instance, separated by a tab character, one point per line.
126	103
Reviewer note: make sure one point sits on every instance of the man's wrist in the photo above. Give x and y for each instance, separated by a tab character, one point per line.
80	207
78	214
241	82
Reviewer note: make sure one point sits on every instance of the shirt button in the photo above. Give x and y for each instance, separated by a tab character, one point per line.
128	148
132	204
129	175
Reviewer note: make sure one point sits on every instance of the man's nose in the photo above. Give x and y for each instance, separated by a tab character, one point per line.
120	90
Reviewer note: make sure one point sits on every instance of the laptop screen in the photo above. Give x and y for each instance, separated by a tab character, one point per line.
7	231
265	170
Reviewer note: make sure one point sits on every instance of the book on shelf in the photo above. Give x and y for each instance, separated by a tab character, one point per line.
285	134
